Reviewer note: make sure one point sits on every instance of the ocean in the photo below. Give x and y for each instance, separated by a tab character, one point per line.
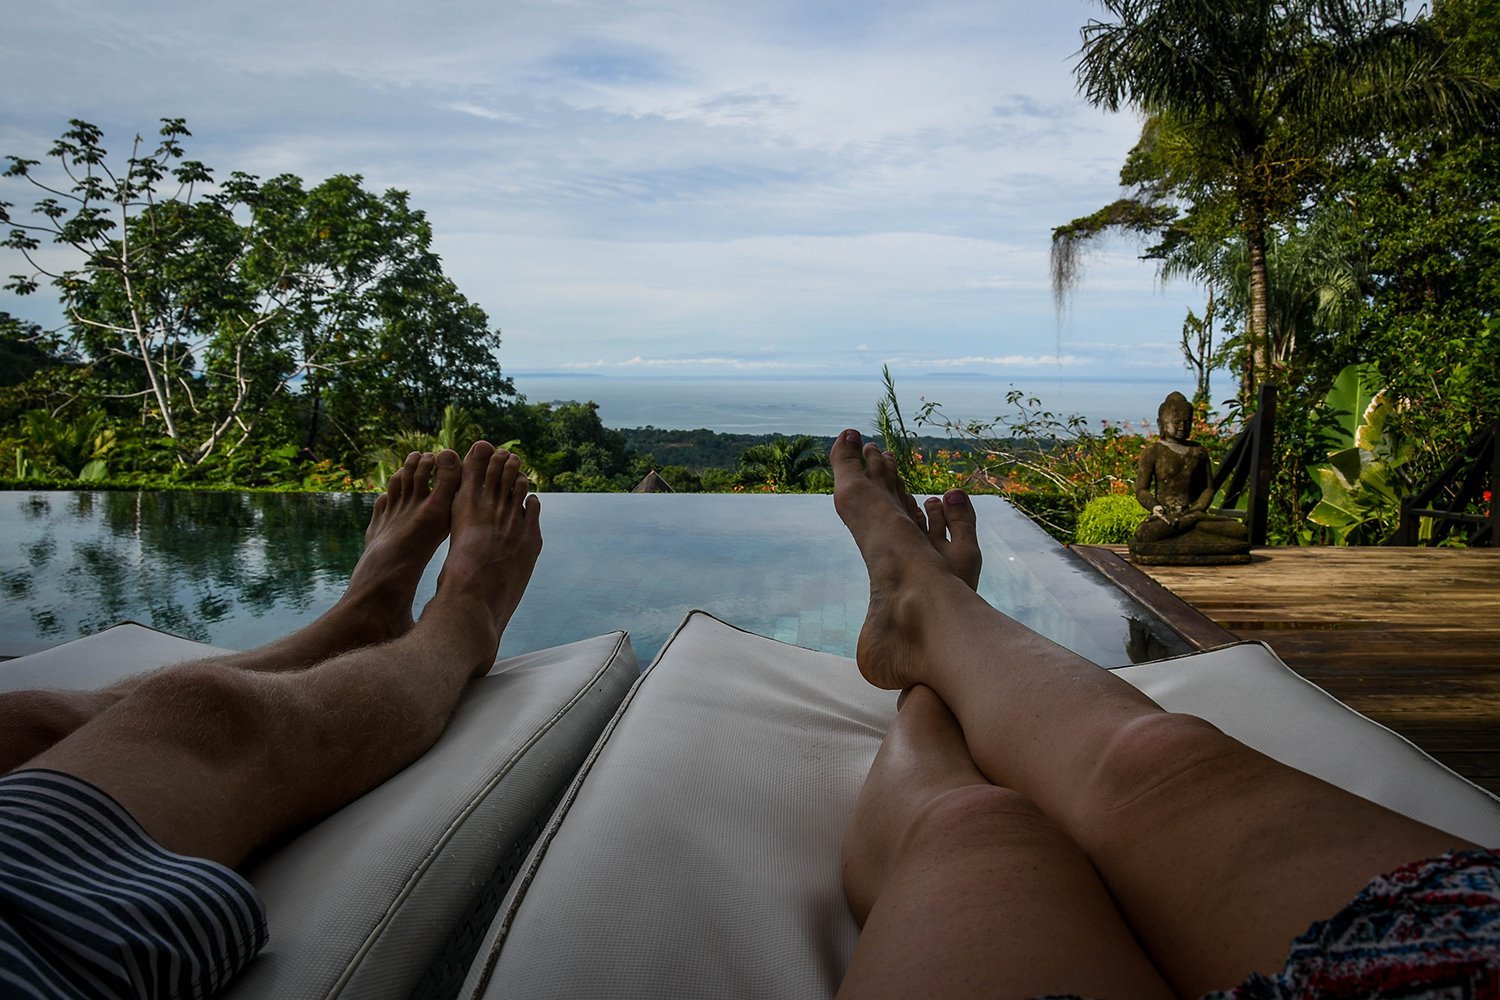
824	406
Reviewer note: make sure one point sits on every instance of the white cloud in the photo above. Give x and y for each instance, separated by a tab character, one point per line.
478	111
660	182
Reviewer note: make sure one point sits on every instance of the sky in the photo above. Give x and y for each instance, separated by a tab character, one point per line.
661	186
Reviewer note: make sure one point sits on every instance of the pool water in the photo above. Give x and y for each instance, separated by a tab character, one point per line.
237	570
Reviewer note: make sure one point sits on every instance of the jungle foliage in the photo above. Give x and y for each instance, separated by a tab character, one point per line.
1328	171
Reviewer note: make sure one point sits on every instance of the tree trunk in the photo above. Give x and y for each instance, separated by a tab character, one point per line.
1205	364
313	421
1257	334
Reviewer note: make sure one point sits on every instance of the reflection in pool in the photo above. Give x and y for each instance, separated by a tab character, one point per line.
237	569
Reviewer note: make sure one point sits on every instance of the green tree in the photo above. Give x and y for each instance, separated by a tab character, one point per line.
567	448
25	349
437	351
1249	106
217	309
1427	206
457	431
1315	294
783	463
77	449
36	373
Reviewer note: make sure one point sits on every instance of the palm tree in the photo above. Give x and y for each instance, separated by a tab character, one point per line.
782	462
1316	282
1247	105
80	448
457	432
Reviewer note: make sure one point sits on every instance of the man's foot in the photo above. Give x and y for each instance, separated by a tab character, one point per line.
910	558
410	521
497	537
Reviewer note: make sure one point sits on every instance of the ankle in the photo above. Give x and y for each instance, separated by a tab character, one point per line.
922	601
458	617
374	615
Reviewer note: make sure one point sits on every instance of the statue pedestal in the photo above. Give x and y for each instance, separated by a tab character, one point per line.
1196	548
1190	558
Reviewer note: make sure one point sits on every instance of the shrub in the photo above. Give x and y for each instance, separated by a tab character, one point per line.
1053	511
1109	520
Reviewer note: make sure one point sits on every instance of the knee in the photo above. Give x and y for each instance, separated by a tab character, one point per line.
32	721
1162	756
980	818
216	714
40	715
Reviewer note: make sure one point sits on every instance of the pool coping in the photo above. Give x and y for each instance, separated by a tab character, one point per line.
1190	624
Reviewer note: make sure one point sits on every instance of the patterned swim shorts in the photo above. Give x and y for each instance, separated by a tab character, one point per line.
1427	929
91	906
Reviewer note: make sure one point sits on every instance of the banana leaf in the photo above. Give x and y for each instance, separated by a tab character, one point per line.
1348	400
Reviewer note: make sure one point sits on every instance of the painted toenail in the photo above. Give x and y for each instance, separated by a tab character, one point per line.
957	498
447	459
852	436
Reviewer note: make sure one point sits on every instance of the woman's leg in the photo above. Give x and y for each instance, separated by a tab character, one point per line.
966	889
1216	855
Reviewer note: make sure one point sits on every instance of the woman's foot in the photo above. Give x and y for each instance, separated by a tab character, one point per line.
911	558
410	521
951	530
497	537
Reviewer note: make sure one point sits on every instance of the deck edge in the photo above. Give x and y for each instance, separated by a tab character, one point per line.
1196	628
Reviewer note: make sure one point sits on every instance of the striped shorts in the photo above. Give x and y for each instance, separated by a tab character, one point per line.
91	906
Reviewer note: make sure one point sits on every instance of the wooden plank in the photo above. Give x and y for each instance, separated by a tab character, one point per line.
1408	636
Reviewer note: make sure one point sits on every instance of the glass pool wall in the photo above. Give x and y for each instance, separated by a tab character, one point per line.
237	569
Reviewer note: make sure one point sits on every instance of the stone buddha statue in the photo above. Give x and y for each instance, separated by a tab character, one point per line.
1174	481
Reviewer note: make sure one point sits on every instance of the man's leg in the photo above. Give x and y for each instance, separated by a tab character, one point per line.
1216	855
966	889
213	761
409	522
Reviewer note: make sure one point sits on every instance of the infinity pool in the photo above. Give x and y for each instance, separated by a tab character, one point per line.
237	569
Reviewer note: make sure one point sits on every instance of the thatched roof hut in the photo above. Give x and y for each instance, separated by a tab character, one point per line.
652	483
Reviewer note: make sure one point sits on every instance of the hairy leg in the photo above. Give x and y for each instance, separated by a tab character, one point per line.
214	761
966	889
1217	855
409	522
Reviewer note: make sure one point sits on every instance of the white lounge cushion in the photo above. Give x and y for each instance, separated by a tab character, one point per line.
698	853
366	903
1249	693
98	660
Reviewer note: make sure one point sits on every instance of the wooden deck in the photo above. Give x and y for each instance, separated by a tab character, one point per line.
1409	637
